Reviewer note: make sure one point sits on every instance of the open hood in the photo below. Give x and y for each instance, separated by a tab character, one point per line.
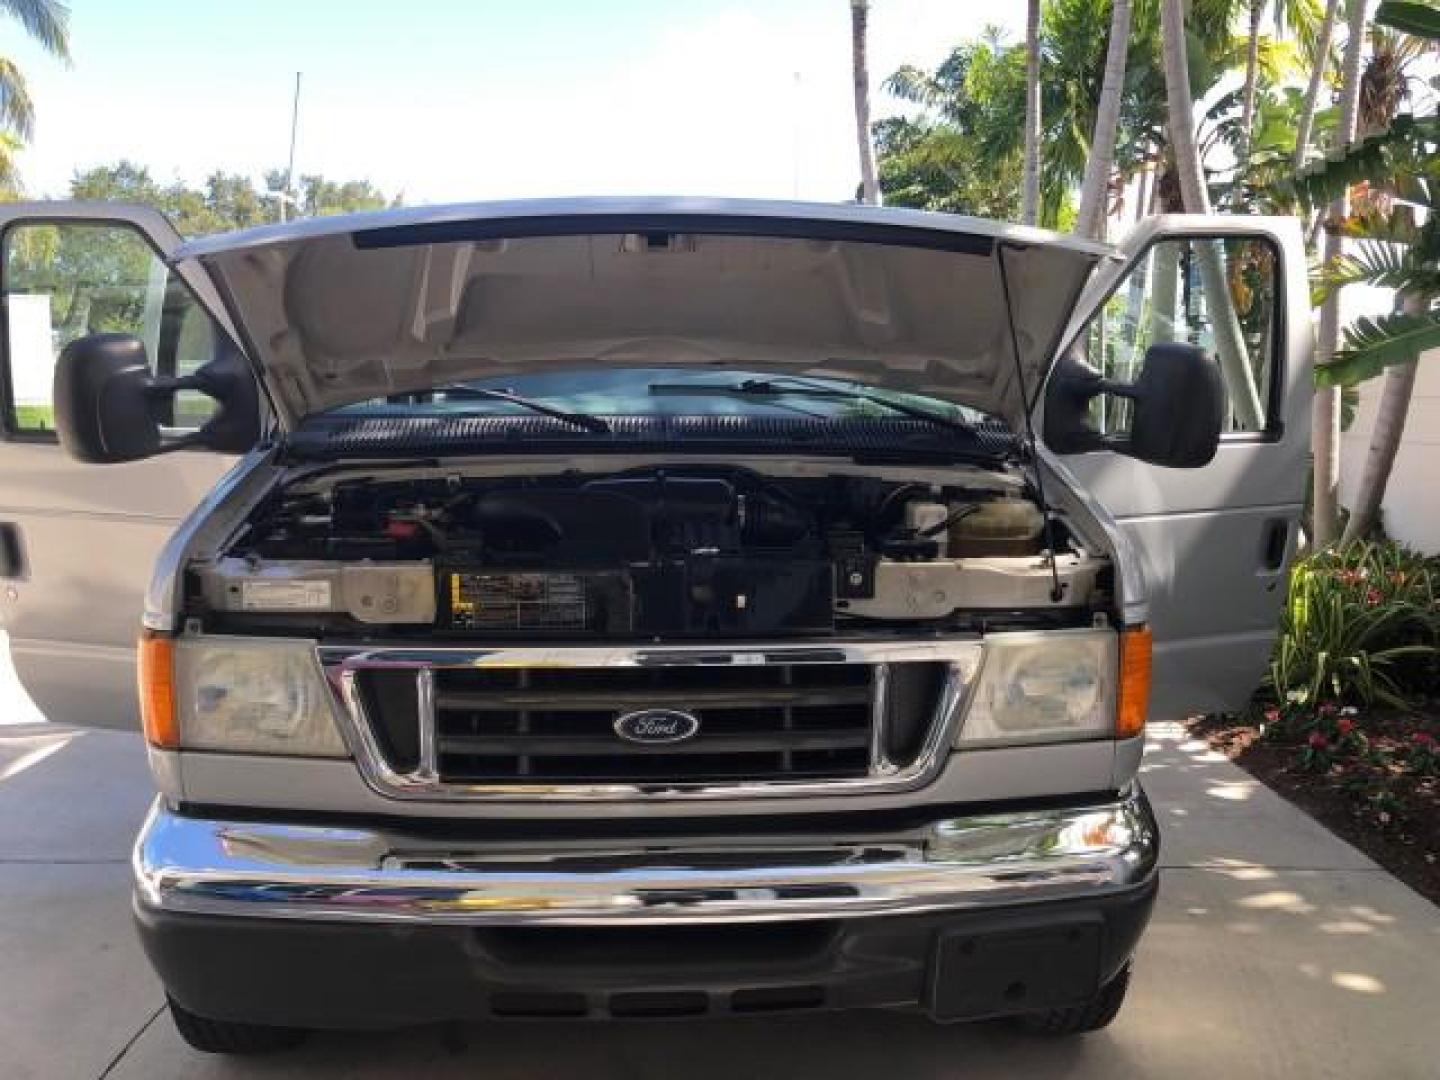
339	310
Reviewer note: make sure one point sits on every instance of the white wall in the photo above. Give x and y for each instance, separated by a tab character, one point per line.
1412	500
32	347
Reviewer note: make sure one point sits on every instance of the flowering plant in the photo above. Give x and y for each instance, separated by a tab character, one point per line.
1423	753
1361	625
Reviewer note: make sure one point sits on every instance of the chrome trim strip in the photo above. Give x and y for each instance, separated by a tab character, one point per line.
343	662
428	768
879	709
270	871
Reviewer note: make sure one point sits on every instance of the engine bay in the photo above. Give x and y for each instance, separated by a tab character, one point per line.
651	552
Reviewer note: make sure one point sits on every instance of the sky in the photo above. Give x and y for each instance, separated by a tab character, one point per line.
453	100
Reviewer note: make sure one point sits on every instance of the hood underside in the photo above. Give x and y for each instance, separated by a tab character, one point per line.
342	310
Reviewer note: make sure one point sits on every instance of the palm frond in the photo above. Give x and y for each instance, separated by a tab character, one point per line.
17	110
1302	18
912	85
1412	17
1278	60
1372	345
1385	266
47	21
1407	145
1223	106
10	180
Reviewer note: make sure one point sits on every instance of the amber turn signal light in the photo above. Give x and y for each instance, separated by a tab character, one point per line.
1134	701
156	666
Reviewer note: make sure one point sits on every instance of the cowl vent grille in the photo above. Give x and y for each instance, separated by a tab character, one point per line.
339	437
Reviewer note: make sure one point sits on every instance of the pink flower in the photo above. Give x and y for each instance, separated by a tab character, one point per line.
1272	715
1344	726
1423	738
1318	741
1372	597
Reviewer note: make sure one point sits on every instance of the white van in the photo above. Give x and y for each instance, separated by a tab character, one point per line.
645	607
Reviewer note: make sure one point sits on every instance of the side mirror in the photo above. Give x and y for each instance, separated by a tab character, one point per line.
104	407
1178	403
110	408
1179	407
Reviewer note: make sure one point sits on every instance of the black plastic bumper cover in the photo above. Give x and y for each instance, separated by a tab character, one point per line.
954	965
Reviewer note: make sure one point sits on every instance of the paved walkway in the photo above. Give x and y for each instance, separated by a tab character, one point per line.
1276	951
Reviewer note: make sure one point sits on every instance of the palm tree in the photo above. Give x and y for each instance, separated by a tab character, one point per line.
1299	16
977	97
1325	414
1030	189
1319	63
1385	82
1390	416
1411	179
1252	67
1090	221
48	22
860	64
1398	234
1180	108
973	124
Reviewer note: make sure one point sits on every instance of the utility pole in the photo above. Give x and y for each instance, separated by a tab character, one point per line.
290	164
795	107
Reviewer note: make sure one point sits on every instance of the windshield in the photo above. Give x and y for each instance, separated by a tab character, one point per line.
663	391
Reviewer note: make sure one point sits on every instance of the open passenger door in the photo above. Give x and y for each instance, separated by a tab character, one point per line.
78	542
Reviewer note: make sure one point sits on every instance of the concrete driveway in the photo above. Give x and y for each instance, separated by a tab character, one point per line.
1276	951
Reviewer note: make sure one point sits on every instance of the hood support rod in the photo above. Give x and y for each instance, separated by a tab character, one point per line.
1057	593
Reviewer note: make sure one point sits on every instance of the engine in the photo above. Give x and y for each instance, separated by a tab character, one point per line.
651	553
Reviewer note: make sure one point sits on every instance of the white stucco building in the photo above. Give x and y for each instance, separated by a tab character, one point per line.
1411	511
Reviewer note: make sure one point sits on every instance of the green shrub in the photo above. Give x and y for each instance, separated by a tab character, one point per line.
1361	625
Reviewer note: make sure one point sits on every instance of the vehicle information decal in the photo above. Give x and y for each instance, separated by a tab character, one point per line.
284	595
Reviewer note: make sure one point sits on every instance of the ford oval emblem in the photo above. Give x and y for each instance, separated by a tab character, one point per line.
657	726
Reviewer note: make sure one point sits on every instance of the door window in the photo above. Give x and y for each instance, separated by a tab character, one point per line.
1219	294
63	280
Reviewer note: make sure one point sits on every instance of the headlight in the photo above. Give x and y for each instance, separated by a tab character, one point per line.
1043	687
253	696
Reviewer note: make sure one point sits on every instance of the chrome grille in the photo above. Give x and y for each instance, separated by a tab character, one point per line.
517	723
549	725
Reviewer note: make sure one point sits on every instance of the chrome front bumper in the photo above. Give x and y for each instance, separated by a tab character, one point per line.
195	865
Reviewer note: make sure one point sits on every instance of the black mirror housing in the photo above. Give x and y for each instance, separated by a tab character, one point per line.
1179	408
235	427
103	400
109	407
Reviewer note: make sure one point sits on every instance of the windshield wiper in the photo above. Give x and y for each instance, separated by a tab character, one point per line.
762	388
485	393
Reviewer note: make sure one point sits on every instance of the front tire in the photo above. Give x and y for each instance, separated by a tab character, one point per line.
230	1037
1090	1015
